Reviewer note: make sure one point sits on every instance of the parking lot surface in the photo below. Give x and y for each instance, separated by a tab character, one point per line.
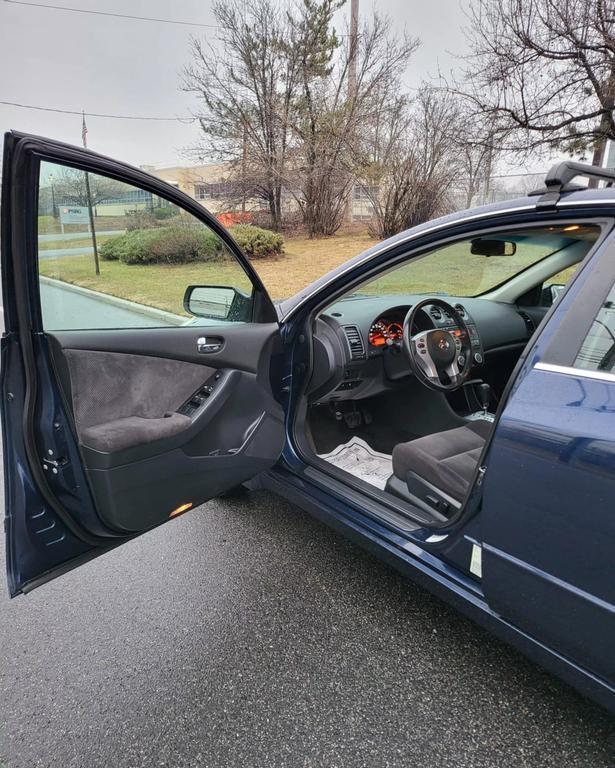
247	634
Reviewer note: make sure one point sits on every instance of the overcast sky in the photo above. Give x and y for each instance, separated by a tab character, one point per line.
74	61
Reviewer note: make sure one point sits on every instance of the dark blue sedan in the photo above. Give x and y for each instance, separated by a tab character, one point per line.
446	399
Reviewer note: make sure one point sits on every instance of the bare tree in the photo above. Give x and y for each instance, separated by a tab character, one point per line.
70	187
277	104
409	170
330	117
543	72
246	84
476	153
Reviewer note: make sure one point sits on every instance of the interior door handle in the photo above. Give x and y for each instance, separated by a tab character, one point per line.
206	345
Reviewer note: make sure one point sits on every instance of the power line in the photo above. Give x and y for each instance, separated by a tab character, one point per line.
98	114
121	15
109	13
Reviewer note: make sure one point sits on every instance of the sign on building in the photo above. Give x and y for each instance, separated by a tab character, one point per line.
74	214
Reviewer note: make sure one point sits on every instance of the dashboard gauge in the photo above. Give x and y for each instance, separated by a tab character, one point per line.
378	334
395	332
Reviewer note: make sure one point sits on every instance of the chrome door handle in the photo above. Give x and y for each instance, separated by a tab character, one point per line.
205	345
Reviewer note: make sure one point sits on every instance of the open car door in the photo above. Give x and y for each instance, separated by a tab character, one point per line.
136	359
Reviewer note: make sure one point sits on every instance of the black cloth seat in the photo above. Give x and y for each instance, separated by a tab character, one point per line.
446	460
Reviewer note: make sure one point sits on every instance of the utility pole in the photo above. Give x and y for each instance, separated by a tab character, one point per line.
352	56
244	160
84	133
54	210
488	171
352	83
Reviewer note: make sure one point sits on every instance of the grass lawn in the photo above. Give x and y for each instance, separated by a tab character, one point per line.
163	286
78	242
452	270
48	225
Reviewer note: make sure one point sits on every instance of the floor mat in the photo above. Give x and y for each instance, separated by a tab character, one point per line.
357	458
382	433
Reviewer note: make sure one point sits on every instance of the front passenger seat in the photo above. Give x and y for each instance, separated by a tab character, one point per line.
445	462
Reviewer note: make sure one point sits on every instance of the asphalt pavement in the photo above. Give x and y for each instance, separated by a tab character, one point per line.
55	236
66	307
245	633
54	253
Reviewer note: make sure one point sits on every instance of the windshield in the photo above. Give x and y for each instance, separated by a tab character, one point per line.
458	270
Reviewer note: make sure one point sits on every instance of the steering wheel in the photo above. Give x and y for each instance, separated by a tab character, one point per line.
438	354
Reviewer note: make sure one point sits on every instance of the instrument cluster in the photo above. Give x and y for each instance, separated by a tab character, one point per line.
385	331
388	330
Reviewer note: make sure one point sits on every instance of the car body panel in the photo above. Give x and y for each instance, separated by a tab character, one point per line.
551	639
541	419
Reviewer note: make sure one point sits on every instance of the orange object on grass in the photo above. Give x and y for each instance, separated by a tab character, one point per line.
235	217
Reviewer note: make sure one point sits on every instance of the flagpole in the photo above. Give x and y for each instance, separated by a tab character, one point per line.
84	133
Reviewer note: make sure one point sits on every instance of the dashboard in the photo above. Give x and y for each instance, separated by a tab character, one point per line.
357	341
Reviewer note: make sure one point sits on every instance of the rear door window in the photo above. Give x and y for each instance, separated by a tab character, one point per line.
597	351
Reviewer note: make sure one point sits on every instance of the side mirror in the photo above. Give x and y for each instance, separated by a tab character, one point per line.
551	293
481	246
218	302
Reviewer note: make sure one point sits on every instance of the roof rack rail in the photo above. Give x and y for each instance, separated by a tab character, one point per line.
559	177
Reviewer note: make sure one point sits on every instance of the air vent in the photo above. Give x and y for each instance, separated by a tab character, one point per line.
530	325
461	309
436	313
355	342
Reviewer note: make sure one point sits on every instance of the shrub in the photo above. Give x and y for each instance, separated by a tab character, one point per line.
165	245
258	243
165	213
140	219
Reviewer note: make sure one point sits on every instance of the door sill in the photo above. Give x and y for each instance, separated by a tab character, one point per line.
367	499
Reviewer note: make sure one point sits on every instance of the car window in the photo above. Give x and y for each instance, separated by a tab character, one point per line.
113	255
563	277
597	352
474	266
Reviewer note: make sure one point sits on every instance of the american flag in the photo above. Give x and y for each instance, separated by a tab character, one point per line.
84	131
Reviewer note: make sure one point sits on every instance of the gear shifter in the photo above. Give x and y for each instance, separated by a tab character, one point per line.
483	391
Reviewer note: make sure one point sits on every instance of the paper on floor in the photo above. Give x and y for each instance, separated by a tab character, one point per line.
357	458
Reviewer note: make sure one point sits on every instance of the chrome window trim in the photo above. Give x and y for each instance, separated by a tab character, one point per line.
568	370
570	203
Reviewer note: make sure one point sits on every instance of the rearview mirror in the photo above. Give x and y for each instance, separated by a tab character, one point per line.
218	302
484	247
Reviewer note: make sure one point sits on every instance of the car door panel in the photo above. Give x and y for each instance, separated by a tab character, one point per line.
243	343
546	543
110	432
138	448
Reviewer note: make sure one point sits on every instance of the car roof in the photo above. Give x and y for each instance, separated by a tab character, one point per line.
575	197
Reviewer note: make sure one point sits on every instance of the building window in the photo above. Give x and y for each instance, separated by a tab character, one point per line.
367	194
217	190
